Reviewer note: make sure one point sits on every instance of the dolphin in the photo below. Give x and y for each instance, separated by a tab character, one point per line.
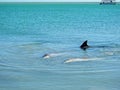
81	59
84	45
46	56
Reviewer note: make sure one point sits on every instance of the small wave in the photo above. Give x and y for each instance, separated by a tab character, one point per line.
5	65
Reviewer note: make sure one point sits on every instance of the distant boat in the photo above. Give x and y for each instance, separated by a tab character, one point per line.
105	2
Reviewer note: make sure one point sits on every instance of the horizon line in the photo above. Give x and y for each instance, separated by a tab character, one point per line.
56	2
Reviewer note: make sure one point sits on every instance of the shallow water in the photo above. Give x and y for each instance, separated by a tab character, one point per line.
28	31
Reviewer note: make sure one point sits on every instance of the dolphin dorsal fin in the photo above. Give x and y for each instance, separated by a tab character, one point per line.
84	45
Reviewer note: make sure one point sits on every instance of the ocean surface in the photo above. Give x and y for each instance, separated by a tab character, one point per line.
39	46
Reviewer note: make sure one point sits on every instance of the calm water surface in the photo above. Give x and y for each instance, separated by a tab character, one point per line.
28	31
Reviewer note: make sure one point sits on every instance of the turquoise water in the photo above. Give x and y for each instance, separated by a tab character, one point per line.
28	31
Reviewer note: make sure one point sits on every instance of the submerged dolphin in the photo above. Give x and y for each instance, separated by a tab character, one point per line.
46	56
84	45
81	59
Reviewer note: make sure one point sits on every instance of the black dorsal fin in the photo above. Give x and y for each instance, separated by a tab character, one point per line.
84	45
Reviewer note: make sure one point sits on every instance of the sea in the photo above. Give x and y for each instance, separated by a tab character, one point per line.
40	46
